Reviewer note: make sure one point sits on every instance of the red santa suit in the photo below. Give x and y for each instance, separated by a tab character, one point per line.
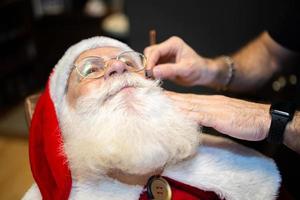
221	169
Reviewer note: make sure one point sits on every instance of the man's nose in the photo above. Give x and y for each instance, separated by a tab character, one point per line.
115	67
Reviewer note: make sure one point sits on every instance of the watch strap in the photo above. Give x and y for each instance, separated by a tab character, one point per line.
282	113
277	129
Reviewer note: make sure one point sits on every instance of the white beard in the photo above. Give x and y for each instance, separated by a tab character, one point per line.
136	132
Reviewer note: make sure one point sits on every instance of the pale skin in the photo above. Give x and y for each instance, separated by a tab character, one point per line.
255	64
78	87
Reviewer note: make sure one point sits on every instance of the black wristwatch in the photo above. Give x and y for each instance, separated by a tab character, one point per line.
282	113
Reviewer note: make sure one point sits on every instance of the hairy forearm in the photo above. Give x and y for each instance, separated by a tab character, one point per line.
254	64
292	133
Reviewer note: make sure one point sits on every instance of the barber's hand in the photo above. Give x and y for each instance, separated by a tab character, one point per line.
176	61
234	117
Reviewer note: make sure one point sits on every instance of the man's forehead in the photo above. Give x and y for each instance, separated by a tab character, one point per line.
100	51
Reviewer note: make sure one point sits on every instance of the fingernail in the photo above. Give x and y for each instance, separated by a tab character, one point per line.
149	74
157	73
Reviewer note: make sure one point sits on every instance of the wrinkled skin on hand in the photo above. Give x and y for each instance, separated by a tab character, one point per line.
173	59
237	118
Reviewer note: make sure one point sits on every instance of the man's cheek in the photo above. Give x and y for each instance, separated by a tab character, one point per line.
88	88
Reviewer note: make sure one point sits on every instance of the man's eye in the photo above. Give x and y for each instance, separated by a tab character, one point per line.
89	69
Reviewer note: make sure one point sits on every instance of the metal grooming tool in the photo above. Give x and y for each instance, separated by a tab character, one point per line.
152	41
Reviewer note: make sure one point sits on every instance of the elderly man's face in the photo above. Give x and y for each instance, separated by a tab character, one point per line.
122	122
79	87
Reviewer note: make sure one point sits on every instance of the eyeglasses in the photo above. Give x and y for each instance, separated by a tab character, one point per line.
95	67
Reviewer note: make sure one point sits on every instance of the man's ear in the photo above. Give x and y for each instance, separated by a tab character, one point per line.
70	78
72	82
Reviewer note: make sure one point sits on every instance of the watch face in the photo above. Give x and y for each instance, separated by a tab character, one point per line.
284	109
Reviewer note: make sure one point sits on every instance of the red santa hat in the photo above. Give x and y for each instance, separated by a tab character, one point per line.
48	161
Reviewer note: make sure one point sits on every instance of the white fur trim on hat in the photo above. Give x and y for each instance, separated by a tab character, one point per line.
62	70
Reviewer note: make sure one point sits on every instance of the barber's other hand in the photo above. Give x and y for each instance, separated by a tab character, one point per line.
234	117
173	59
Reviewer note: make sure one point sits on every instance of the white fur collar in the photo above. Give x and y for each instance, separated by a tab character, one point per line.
107	189
216	167
231	176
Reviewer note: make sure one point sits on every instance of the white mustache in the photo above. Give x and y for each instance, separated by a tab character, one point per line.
116	83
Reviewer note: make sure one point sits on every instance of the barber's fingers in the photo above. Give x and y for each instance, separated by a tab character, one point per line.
198	109
158	52
168	48
196	99
168	71
148	50
203	118
203	107
179	96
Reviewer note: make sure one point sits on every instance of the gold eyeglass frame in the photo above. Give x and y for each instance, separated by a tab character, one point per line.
105	67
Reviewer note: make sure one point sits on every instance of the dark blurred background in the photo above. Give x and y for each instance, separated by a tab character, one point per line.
35	34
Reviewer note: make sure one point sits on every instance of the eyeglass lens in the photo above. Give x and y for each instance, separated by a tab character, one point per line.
94	67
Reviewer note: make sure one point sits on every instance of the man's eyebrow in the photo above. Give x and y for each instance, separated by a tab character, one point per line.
105	57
